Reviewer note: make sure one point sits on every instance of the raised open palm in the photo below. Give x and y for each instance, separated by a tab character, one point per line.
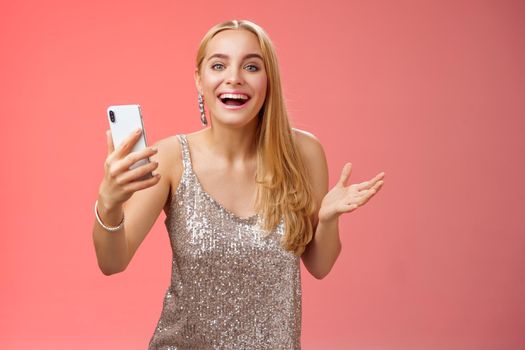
344	198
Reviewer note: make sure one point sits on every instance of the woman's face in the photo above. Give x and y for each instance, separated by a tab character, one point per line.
232	77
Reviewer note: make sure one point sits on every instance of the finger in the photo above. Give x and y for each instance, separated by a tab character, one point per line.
377	186
137	173
366	195
345	174
369	184
137	156
140	185
122	165
109	141
127	145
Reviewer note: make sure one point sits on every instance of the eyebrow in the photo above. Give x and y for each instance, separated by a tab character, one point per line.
250	55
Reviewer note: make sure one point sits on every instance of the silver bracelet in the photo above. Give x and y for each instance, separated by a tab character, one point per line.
108	228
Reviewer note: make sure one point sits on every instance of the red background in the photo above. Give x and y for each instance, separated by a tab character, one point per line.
431	92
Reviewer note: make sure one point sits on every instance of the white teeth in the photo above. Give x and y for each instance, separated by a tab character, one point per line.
235	96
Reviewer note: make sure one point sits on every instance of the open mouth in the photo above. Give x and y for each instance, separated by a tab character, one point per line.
234	100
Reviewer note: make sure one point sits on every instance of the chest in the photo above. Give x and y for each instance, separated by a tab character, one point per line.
234	189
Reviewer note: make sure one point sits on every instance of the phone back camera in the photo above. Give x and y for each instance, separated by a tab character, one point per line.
112	116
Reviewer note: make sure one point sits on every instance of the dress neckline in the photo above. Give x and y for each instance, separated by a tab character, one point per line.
248	220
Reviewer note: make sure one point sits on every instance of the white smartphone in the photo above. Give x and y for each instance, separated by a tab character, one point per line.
123	120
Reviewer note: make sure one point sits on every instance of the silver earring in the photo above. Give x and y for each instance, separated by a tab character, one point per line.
201	109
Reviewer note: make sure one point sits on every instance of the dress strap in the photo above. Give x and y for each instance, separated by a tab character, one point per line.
186	159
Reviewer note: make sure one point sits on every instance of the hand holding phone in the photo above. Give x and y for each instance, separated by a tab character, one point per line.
127	167
123	121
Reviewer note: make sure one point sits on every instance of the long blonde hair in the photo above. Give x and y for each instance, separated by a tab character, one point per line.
283	189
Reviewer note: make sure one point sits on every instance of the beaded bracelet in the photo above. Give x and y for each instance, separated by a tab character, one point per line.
108	228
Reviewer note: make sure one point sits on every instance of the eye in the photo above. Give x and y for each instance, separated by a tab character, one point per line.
217	66
251	68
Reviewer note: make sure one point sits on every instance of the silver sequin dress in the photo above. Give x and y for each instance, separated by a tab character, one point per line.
231	288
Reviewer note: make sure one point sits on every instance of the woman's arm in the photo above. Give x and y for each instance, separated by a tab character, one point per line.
322	252
115	250
324	248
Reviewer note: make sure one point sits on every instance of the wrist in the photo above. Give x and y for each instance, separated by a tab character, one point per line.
106	204
108	227
327	217
328	220
110	213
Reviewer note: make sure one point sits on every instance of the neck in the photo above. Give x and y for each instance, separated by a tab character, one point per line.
232	144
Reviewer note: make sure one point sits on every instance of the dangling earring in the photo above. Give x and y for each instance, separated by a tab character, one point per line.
201	109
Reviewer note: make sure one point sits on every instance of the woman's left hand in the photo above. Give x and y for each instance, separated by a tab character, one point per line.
344	199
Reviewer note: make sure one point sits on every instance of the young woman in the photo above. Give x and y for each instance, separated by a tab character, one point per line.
245	199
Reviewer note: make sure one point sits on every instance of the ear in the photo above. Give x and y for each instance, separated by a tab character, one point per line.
197	77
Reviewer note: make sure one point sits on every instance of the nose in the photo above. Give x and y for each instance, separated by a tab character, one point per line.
234	77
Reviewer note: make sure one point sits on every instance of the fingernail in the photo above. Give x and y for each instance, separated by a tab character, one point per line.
138	131
154	149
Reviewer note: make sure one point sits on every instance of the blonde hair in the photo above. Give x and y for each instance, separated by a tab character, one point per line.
283	189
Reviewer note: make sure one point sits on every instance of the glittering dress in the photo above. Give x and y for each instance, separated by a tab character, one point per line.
231	288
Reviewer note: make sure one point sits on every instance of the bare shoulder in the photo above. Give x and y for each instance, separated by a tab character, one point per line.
313	156
303	134
169	157
314	160
310	148
169	151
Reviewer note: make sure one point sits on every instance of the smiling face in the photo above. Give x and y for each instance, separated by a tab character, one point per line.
232	77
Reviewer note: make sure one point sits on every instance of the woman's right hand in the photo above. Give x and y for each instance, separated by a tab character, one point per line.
119	181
